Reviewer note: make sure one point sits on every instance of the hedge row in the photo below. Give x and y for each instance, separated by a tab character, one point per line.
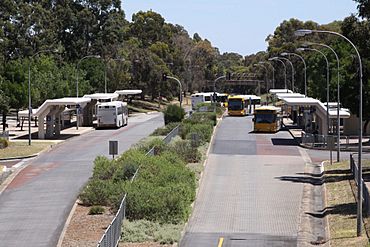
164	187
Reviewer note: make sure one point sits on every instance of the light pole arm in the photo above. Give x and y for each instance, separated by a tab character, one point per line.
180	86
277	59
216	80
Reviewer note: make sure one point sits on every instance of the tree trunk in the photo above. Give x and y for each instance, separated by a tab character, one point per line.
4	120
365	126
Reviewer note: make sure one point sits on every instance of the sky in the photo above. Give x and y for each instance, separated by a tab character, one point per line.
240	25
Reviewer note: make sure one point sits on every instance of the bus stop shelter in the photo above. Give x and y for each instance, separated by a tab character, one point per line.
50	112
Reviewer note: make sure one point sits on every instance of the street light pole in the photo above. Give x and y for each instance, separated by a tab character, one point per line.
303	32
29	94
291	64
277	59
327	84
273	72
78	64
338	96
180	86
305	68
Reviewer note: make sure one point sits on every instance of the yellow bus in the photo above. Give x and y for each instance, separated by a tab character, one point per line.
267	119
237	105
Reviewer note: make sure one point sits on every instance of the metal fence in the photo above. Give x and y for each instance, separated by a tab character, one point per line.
4	134
320	141
365	191
112	234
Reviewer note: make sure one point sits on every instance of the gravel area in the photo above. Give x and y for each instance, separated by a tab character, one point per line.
86	230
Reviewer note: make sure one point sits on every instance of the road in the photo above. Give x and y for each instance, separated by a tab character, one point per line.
36	204
248	195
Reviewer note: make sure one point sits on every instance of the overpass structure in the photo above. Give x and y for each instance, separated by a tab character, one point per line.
54	114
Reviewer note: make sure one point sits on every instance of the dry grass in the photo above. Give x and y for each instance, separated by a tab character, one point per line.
341	207
19	149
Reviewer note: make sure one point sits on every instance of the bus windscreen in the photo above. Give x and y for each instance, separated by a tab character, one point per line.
265	118
235	105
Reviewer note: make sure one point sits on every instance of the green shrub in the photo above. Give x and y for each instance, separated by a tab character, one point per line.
158	177
173	113
127	164
203	131
102	192
103	168
185	149
147	231
94	210
4	143
158	144
202	117
165	130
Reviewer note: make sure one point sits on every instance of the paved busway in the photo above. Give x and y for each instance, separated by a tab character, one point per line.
245	198
36	204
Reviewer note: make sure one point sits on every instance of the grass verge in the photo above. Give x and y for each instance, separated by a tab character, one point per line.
20	149
341	207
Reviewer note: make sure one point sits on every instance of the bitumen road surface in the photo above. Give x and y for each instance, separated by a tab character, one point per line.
248	196
35	205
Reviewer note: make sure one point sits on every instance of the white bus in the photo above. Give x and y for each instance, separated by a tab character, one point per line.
198	98
112	114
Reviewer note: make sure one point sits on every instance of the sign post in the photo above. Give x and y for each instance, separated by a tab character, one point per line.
330	144
113	148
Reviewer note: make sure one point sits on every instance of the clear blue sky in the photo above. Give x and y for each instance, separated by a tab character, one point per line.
240	25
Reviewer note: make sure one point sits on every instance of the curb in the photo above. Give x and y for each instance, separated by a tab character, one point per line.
66	224
201	176
324	193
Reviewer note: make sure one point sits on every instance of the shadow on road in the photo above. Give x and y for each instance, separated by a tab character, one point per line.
343	209
316	179
284	142
35	136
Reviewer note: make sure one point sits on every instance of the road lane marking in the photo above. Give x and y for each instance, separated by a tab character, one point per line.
220	242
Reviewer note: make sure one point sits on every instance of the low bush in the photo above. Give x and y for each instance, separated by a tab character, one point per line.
102	192
202	131
146	231
94	210
4	143
185	149
127	164
103	168
173	113
161	175
165	130
202	117
158	144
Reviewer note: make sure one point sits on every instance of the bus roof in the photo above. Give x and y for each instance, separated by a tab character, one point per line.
113	103
268	108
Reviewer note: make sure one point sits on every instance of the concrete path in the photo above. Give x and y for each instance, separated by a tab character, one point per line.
36	204
247	196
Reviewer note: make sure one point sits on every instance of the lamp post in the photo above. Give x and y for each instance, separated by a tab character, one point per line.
291	64
273	72
165	77
105	71
305	68
327	84
303	32
78	64
338	95
29	93
277	59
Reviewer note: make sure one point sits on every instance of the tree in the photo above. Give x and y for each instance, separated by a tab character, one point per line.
363	8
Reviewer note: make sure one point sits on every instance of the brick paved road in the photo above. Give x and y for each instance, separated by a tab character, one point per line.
246	197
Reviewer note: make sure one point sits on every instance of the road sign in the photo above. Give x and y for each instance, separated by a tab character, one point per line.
113	148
